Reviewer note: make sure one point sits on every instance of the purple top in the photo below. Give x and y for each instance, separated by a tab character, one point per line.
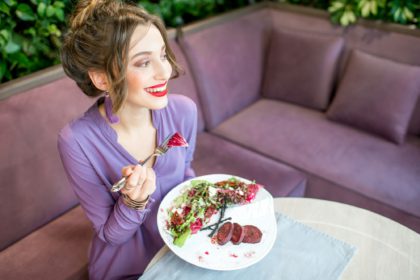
125	239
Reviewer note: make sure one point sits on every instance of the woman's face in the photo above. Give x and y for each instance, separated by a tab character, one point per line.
148	69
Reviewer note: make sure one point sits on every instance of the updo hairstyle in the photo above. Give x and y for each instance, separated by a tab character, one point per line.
98	39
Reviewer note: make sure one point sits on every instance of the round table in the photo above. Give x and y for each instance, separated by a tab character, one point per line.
385	248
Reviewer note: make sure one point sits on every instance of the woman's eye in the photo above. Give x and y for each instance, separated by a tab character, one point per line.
165	57
142	64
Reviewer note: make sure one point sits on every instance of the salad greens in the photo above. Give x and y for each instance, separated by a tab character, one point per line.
198	202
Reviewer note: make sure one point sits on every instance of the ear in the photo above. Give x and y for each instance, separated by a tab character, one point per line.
99	79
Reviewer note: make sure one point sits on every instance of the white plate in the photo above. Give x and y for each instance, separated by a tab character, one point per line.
200	251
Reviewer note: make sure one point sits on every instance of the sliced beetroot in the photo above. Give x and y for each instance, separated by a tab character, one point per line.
177	141
252	234
224	234
238	234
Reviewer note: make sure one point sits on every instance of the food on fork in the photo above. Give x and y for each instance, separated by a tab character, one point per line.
177	140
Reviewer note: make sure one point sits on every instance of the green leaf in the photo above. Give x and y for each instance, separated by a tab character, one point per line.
335	6
397	15
41	9
59	4
30	31
5	34
53	30
24	12
10	3
4	8
50	11
22	60
365	10
56	41
11	47
59	13
180	240
408	14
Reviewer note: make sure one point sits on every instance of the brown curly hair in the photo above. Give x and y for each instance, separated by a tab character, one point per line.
98	39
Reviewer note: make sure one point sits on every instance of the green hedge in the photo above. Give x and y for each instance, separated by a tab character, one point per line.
345	12
30	35
30	30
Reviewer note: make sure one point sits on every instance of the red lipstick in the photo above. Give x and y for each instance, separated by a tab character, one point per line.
153	90
159	93
158	86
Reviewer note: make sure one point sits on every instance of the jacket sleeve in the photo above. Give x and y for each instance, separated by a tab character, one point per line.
112	220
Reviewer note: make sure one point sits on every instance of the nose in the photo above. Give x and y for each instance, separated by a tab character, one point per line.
163	70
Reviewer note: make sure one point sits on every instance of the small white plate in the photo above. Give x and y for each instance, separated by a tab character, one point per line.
200	251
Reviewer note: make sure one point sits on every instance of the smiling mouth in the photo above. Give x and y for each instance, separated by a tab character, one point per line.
158	90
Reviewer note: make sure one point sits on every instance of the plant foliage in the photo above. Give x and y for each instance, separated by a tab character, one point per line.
346	12
29	35
31	30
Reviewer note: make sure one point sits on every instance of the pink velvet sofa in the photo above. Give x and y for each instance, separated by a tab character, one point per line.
341	105
284	97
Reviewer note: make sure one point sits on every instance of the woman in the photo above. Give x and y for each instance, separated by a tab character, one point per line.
118	50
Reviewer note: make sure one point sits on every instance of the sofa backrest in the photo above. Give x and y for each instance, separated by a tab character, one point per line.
185	84
226	55
33	184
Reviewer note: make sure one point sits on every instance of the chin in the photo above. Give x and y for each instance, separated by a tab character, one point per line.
159	103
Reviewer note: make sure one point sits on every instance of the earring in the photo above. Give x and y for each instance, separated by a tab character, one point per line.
108	110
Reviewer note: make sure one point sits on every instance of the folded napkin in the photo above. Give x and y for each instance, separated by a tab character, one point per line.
299	252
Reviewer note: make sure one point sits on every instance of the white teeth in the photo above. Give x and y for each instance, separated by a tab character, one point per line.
159	89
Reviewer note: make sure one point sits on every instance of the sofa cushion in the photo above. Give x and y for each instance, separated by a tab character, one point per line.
59	250
29	125
308	141
397	46
301	67
377	95
226	59
216	155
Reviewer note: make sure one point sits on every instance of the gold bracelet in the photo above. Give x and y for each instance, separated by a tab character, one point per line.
137	205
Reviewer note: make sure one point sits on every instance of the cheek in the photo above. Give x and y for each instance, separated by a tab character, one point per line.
134	82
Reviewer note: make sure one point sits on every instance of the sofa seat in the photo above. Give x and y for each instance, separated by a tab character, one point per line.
306	140
58	250
215	155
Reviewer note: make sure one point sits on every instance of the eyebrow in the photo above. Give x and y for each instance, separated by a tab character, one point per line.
147	52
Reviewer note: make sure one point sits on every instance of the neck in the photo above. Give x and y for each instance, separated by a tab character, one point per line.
132	119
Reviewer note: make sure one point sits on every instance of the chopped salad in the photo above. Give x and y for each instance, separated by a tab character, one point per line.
199	201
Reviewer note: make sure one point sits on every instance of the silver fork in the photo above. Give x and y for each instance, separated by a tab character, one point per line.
160	150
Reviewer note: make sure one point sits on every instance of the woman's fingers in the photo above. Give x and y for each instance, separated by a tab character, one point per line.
150	183
137	177
127	170
140	183
134	177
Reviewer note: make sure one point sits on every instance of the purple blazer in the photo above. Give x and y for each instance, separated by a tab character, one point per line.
125	239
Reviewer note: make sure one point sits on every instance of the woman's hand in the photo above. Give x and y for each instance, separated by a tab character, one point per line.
140	183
